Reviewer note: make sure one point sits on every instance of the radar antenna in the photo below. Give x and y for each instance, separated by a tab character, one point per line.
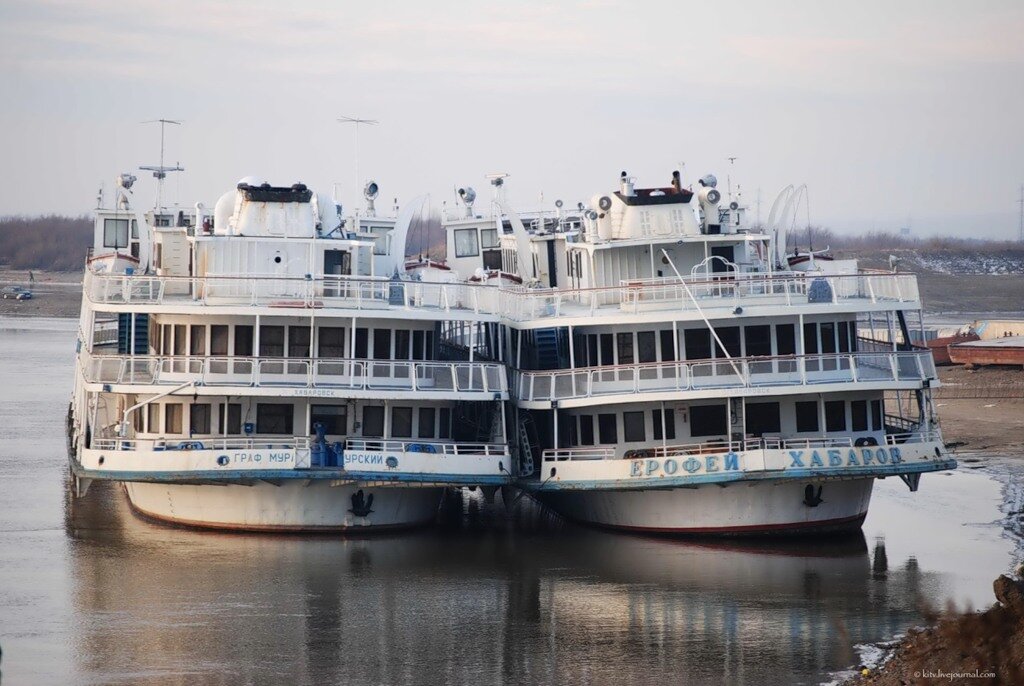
160	171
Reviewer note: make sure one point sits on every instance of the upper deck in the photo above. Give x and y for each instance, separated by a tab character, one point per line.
631	301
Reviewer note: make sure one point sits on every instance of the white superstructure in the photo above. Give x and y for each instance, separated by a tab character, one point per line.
646	360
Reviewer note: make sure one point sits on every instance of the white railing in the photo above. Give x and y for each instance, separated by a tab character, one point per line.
746	372
516	304
664	294
716	447
338	291
383	375
200	443
391	445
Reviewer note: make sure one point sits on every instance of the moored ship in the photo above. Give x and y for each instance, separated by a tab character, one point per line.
264	367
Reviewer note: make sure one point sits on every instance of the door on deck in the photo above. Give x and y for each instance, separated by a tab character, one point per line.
726	252
337	264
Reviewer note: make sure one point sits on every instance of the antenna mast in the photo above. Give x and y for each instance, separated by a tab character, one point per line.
356	121
160	171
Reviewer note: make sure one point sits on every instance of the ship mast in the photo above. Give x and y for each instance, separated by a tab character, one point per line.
160	171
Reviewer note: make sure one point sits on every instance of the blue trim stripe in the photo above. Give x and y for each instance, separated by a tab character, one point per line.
733	477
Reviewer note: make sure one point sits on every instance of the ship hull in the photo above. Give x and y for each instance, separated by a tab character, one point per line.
290	506
738	509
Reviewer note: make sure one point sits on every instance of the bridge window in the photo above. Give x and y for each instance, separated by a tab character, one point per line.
489	238
633	430
467	243
807	416
274	418
115	233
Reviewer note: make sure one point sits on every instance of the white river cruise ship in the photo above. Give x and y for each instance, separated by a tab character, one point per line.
645	361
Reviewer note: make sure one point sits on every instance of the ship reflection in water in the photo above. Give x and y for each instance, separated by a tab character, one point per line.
486	597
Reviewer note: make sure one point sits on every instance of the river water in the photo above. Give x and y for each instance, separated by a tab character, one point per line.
91	594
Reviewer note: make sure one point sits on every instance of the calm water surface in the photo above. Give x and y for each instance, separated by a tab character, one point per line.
90	594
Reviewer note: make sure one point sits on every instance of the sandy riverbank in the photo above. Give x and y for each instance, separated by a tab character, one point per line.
54	294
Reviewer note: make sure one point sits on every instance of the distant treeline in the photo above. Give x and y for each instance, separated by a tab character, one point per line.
55	243
822	238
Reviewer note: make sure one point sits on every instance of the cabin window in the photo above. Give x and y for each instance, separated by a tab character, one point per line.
633	430
785	339
835	415
828	338
334	419
758	340
810	339
844	337
115	233
489	238
807	416
876	415
401	422
331	342
730	337
859	415
586	429
362	344
243	341
607	349
233	413
298	341
373	421
646	347
382	344
219	340
592	359
172	418
197	340
402	344
271	341
426	427
467	243
664	424
697	344
274	418
708	420
179	339
668	346
625	341
444	429
153	418
606	430
199	418
763	418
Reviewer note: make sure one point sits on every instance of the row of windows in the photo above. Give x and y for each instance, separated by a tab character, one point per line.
712	420
629	347
278	418
294	341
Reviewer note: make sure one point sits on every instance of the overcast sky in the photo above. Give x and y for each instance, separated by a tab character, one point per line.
889	111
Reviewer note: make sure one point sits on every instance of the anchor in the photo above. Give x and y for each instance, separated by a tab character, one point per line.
812	499
361	506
